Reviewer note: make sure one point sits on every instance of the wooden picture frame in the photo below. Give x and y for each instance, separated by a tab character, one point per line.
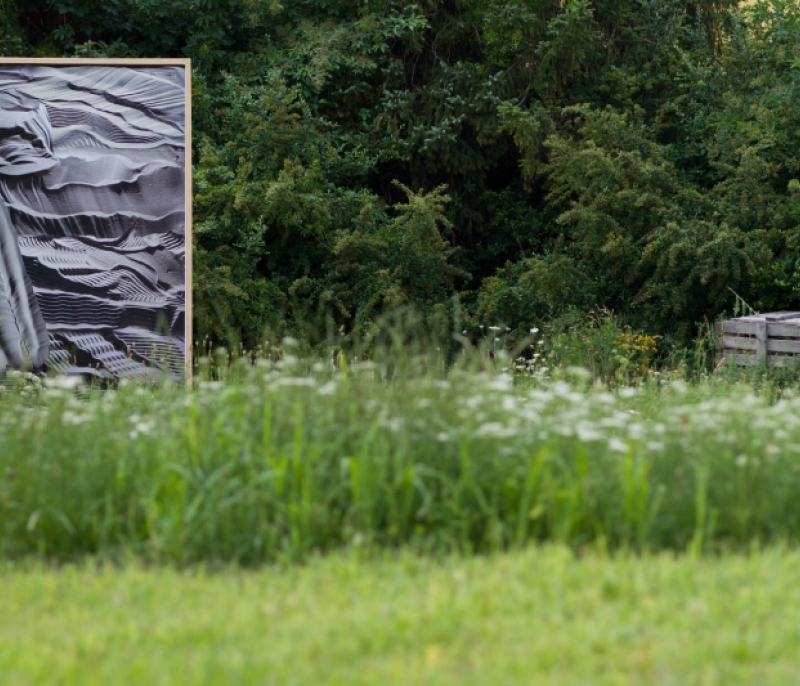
185	64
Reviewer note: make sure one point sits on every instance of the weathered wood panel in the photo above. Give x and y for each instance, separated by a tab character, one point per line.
746	328
781	316
790	330
739	359
739	343
761	342
743	360
784	330
772	339
777	345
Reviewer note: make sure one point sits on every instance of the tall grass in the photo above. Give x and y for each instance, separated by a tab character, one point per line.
287	457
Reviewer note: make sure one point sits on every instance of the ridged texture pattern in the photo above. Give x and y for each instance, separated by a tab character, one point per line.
92	173
23	335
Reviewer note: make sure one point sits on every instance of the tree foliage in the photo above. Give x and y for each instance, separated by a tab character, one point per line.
509	160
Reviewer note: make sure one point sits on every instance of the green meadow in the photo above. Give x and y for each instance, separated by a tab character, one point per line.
541	616
294	521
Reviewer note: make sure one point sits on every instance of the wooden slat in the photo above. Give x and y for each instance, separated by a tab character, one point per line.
788	361
747	328
761	342
741	360
739	343
750	360
750	328
781	316
102	61
786	330
775	345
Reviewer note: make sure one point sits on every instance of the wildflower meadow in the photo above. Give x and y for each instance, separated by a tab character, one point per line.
402	518
290	457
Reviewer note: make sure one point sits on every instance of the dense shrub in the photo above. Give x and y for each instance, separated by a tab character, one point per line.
520	159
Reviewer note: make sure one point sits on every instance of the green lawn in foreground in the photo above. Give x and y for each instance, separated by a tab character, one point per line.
537	617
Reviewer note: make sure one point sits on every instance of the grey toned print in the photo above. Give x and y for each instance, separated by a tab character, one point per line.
93	219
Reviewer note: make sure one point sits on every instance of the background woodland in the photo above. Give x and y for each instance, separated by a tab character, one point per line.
484	162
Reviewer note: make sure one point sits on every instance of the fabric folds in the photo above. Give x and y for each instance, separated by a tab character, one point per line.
93	219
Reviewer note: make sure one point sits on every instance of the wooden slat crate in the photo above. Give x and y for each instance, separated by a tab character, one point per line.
772	338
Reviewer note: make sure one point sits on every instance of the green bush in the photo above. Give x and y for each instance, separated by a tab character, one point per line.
638	156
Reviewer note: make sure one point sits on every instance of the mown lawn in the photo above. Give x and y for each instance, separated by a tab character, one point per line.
541	616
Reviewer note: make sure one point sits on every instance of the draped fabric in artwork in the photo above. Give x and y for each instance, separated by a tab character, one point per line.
93	218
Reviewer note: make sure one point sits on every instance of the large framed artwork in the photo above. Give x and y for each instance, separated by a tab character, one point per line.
95	217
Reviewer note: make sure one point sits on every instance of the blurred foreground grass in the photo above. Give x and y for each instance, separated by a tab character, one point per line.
540	616
291	457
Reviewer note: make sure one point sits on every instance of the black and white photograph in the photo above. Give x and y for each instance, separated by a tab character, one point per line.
94	227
